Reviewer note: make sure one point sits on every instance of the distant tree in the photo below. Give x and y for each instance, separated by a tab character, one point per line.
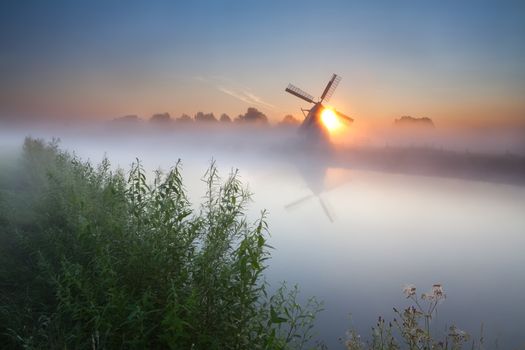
407	120
132	118
225	118
160	118
252	115
205	117
184	118
289	120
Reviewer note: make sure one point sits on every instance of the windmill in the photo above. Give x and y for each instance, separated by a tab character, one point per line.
320	119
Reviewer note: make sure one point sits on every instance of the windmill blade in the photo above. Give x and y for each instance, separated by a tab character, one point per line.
326	210
298	202
294	90
330	88
346	119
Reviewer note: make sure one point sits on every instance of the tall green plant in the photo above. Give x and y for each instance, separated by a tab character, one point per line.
100	259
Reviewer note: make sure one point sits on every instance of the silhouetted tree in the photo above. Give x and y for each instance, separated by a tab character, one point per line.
205	117
160	118
184	118
407	120
132	118
252	115
225	118
289	120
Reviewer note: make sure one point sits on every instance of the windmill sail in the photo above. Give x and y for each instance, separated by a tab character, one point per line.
330	87
294	90
344	117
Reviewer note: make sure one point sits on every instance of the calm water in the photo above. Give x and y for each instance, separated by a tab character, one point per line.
388	230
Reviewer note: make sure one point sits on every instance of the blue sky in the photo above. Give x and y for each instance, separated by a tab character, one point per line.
449	60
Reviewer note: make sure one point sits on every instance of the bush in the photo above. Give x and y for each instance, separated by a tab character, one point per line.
92	258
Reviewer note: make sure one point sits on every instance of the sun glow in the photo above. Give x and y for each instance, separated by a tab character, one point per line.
330	120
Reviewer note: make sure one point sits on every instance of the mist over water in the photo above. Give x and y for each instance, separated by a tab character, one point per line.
343	230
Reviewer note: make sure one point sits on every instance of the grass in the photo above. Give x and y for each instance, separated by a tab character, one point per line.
95	258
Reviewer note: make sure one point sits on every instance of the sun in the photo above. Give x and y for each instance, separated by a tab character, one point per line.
330	120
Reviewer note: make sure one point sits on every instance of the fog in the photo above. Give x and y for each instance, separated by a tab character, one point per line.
487	139
383	208
487	154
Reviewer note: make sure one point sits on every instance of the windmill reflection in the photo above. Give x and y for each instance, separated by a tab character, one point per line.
320	178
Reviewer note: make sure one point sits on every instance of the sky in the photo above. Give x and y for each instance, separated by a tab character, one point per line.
457	62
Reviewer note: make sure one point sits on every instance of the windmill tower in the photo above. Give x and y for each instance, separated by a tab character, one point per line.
316	124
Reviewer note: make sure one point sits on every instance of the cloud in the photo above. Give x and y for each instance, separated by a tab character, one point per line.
258	100
246	96
235	90
234	94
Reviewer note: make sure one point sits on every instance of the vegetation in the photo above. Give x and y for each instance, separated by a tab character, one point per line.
94	258
411	328
252	116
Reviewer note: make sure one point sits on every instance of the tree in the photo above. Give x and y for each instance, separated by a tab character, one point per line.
160	117
407	120
205	117
252	115
225	118
289	120
184	118
131	118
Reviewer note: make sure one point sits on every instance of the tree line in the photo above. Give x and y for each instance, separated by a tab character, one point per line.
252	116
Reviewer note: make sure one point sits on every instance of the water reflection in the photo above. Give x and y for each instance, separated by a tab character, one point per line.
397	229
313	173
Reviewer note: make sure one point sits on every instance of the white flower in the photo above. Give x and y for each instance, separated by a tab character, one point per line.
437	291
458	334
409	290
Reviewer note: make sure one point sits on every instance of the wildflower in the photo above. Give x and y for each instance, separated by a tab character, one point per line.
436	294
353	341
411	311
409	290
458	335
437	291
